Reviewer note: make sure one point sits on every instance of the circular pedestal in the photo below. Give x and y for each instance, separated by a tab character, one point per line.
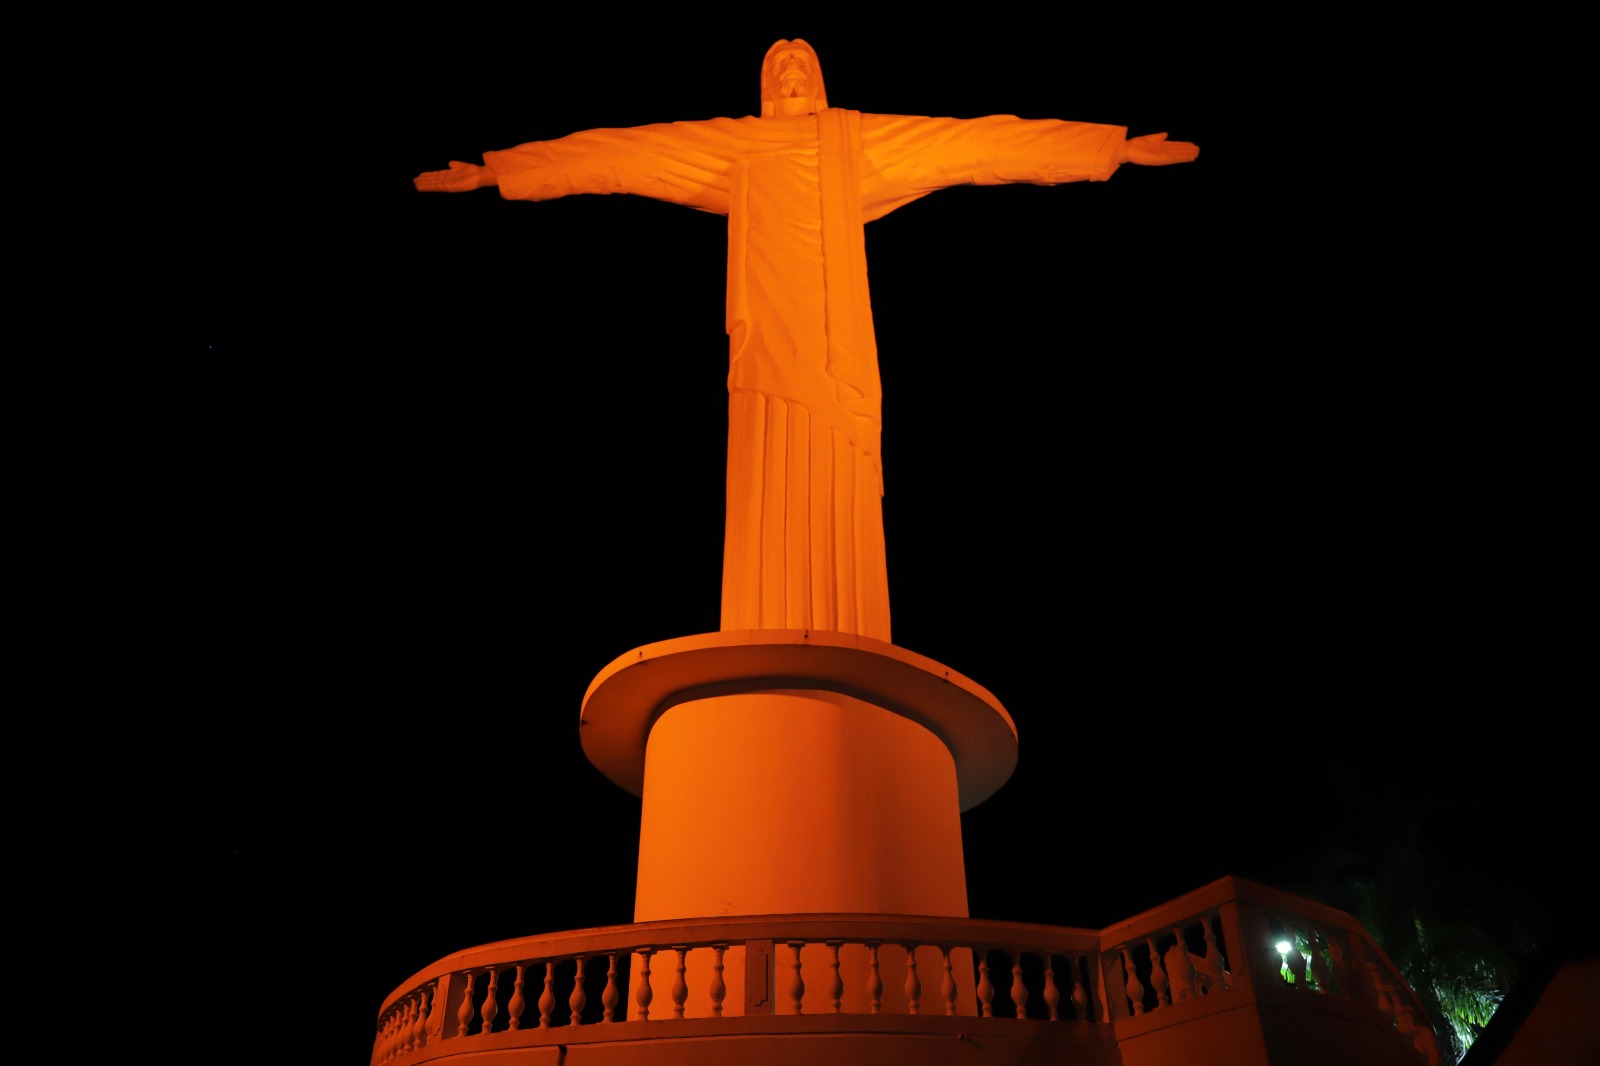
629	695
795	771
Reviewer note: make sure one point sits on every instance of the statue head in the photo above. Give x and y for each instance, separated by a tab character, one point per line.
791	80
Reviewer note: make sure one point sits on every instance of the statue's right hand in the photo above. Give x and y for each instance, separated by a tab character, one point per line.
1154	150
461	177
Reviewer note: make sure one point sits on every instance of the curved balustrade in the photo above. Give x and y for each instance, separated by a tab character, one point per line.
1214	949
464	996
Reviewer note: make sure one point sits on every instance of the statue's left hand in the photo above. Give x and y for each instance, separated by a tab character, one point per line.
461	177
1154	150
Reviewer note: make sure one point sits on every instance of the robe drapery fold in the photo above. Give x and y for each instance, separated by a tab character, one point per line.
829	564
804	544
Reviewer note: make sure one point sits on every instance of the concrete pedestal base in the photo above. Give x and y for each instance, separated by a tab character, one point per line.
793	801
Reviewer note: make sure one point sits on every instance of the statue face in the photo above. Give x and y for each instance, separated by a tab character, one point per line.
791	81
796	76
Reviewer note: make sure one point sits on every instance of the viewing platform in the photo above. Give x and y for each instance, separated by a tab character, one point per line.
1234	972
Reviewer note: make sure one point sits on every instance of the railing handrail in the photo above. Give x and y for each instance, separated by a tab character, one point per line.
1217	894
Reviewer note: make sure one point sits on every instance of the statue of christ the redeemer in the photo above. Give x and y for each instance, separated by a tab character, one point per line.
804	546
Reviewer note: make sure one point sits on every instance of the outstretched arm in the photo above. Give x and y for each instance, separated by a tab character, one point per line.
908	157
685	163
461	177
1154	150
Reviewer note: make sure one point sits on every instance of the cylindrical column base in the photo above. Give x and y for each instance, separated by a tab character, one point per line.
794	801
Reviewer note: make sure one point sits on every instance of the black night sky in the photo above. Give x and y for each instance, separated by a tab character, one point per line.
1251	561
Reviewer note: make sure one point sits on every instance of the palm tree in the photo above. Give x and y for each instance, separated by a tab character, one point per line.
1456	920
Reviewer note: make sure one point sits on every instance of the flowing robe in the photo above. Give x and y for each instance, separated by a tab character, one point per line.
804	544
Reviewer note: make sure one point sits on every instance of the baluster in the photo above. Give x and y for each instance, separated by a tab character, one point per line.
1277	959
1219	972
402	1034
947	986
579	998
1180	969
1319	968
1019	991
874	980
835	982
1380	988
643	995
719	989
465	1014
609	997
1134	989
680	988
913	985
1340	972
985	989
547	998
1421	1033
385	1045
1158	975
518	1003
491	1005
1296	961
1080	995
797	987
1427	1044
419	1031
1052	994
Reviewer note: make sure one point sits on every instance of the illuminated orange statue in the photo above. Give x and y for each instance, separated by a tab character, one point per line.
804	545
